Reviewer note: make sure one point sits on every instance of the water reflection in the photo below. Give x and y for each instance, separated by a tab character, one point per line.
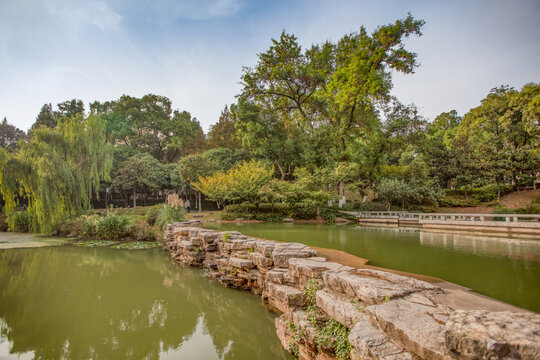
76	303
483	245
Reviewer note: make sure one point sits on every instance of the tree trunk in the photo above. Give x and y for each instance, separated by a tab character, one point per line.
200	202
134	198
498	191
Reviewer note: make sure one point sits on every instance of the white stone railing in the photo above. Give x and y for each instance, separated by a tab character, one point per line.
531	220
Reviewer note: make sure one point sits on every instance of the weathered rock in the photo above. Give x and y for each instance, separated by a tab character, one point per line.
369	286
284	297
241	263
276	275
477	334
285	251
338	308
262	262
239	244
265	247
413	325
370	343
304	269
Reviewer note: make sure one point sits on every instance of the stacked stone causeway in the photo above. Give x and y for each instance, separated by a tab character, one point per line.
389	316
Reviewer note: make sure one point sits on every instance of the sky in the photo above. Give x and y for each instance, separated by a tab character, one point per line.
193	51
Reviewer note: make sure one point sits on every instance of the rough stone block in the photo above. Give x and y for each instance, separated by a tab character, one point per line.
284	297
265	247
310	269
413	325
477	334
241	263
369	343
339	308
276	275
372	287
261	261
285	251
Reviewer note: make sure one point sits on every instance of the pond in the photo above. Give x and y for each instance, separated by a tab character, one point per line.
505	269
79	303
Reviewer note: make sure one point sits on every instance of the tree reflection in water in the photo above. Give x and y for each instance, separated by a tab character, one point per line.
70	302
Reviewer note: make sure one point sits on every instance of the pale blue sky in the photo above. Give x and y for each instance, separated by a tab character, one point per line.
192	51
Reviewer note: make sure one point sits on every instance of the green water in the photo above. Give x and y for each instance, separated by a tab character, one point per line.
505	269
80	303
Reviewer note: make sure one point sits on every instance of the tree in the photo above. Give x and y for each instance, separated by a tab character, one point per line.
242	183
45	117
267	137
10	136
148	124
223	134
192	167
140	174
57	171
330	91
226	158
503	145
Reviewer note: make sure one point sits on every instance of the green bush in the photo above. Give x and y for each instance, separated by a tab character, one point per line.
277	212
141	231
113	226
169	215
89	226
458	201
153	213
21	221
473	197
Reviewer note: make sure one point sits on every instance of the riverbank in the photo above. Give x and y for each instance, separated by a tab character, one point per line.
365	307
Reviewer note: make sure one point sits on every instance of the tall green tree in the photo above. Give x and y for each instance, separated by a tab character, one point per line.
140	175
57	171
224	134
10	135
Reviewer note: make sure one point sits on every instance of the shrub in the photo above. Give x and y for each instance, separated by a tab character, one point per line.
152	214
169	215
113	226
141	231
21	221
277	212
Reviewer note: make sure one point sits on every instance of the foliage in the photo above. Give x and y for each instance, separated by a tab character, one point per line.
10	136
393	190
277	212
139	173
241	183
223	134
152	214
329	333
57	171
113	226
473	196
21	222
148	124
169	215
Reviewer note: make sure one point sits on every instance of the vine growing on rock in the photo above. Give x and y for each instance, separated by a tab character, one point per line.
330	333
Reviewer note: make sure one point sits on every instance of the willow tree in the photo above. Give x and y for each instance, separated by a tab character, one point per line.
56	171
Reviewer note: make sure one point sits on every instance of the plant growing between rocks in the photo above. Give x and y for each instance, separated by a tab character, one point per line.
330	333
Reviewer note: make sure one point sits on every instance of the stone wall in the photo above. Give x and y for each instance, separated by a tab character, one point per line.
323	304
